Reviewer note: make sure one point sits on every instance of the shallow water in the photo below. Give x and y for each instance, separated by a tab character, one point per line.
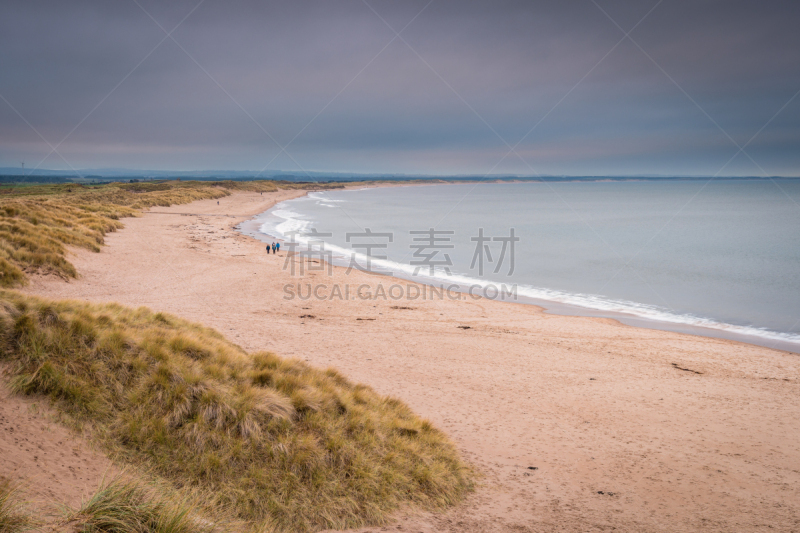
721	254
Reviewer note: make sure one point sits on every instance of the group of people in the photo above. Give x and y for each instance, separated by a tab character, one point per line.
276	247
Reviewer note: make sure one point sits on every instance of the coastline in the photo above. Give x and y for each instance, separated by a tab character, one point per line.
626	427
665	322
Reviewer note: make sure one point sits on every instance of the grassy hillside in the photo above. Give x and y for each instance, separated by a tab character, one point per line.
280	443
37	222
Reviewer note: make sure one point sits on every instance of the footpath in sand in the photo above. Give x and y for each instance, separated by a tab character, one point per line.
576	424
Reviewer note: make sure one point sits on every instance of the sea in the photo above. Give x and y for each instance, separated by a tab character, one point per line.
718	257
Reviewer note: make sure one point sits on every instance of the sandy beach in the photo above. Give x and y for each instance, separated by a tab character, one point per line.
574	423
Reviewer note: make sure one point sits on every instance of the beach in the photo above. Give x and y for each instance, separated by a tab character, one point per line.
573	423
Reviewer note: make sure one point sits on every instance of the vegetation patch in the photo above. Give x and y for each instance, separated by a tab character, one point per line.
14	516
124	506
38	222
281	444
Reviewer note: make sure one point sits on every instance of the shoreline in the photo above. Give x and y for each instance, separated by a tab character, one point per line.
626	427
251	228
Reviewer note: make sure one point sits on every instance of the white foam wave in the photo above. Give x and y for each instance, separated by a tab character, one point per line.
292	221
289	222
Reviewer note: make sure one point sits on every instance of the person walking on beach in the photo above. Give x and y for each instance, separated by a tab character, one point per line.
273	248
267	248
278	246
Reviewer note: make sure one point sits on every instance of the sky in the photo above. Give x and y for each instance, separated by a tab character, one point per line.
440	87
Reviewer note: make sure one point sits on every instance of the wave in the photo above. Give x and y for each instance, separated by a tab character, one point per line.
323	200
291	222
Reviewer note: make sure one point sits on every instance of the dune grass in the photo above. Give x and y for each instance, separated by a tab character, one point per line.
38	222
125	506
14	517
281	444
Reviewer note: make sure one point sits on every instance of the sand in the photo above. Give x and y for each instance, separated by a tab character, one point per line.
575	424
50	465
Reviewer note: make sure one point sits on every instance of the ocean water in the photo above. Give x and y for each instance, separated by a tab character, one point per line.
722	255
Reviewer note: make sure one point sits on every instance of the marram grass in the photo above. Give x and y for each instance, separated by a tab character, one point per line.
38	222
281	444
14	516
125	506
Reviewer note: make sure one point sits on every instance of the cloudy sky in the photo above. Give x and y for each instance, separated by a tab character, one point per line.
481	87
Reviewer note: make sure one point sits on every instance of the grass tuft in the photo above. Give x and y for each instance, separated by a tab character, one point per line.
281	444
124	506
14	517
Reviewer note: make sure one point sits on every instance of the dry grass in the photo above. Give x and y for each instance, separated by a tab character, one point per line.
125	506
38	222
14	517
282	444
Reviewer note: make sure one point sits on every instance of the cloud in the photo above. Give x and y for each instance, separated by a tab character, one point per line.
331	78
